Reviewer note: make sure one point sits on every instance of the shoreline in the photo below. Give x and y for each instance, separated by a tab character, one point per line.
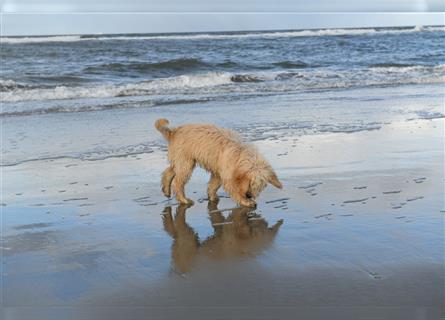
102	134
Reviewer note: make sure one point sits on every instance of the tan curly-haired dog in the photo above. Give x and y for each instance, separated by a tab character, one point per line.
233	164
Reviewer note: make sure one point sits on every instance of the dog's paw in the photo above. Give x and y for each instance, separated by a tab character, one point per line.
214	198
186	201
248	203
166	192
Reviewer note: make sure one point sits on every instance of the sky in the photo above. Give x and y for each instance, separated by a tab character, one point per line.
51	17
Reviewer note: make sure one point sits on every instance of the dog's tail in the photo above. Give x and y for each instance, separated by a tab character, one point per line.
161	125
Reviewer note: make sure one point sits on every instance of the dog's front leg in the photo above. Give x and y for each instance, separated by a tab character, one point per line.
213	186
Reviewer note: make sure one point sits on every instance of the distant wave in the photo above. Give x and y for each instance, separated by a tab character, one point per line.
226	82
175	64
184	65
291	64
39	39
198	36
58	79
391	65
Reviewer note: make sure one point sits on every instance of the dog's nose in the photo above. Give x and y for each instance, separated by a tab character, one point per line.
248	195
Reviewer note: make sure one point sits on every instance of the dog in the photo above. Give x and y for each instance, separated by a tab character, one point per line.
233	164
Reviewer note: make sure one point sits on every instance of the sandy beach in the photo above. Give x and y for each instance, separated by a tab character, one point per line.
357	232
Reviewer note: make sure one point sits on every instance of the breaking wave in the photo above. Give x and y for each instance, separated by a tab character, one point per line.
158	86
216	36
225	82
10	85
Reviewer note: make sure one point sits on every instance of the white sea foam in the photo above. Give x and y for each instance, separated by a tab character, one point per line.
8	84
40	39
157	86
225	82
216	36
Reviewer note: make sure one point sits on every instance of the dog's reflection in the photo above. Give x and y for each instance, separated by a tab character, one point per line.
242	234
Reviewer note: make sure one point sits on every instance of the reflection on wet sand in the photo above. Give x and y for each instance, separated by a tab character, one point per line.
243	233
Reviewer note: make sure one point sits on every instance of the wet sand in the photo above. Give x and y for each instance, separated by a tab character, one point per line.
356	233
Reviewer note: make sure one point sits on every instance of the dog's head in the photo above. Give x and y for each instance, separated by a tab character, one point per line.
252	181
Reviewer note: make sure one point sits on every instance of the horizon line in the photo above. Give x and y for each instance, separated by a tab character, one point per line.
222	12
215	32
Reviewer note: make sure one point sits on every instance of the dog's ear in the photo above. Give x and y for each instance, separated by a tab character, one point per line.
273	180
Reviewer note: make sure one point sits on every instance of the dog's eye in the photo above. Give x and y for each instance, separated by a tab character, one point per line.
248	195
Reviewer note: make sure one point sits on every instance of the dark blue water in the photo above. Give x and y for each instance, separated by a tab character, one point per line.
83	73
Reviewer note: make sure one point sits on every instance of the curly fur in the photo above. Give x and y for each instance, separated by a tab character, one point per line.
232	163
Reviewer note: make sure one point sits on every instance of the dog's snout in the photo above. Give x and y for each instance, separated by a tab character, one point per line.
249	195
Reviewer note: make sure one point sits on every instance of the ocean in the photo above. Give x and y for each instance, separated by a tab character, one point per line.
53	75
57	74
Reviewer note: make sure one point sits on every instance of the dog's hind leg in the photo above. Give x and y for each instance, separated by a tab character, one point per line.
167	178
213	186
183	171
